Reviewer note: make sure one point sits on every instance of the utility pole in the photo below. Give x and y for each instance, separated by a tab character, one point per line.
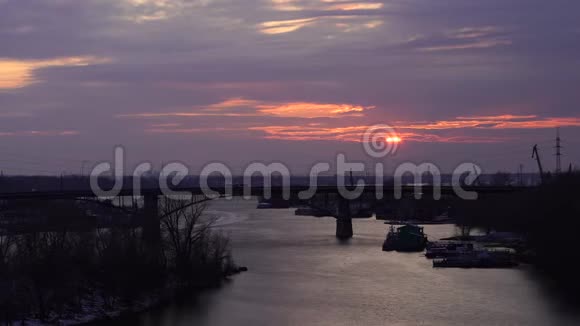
558	152
536	155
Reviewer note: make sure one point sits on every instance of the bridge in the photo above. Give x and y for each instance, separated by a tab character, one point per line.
343	214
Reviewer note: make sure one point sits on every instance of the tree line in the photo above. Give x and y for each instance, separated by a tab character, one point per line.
56	275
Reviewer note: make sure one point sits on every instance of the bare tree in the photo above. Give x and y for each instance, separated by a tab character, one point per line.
51	273
7	243
184	230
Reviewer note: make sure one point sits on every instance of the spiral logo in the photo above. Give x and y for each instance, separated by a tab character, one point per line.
380	141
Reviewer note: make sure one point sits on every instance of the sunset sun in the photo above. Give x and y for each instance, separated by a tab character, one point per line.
393	139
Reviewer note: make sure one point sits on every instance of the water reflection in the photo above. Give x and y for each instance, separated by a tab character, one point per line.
300	274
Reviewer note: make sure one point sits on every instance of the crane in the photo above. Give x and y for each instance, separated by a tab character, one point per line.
536	155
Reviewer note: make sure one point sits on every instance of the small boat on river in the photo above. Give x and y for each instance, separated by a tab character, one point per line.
408	238
448	249
478	259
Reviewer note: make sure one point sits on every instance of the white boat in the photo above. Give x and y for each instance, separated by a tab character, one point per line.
264	205
448	249
478	259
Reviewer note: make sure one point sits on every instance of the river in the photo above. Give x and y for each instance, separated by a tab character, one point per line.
299	274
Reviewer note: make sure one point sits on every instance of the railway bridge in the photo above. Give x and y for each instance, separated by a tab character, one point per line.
342	211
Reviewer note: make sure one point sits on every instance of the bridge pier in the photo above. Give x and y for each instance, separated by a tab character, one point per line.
344	228
344	221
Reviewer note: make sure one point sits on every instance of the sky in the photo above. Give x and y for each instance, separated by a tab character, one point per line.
291	81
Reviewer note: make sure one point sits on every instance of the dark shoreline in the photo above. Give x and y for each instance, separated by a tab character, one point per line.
98	314
181	295
176	295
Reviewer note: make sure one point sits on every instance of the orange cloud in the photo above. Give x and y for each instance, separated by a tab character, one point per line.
312	110
474	32
241	107
355	134
419	132
285	26
498	117
539	123
16	73
363	21
350	6
324	5
143	11
505	121
429	131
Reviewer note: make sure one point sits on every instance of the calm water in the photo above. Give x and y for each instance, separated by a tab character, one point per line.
301	275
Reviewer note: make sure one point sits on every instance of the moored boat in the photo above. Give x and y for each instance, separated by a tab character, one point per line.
264	205
448	249
408	237
478	259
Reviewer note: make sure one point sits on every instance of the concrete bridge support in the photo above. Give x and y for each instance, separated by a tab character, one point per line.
344	220
344	228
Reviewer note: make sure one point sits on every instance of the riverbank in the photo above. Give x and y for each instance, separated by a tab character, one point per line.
174	293
67	277
93	310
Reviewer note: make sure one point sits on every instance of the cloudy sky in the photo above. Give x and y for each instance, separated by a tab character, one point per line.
295	81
